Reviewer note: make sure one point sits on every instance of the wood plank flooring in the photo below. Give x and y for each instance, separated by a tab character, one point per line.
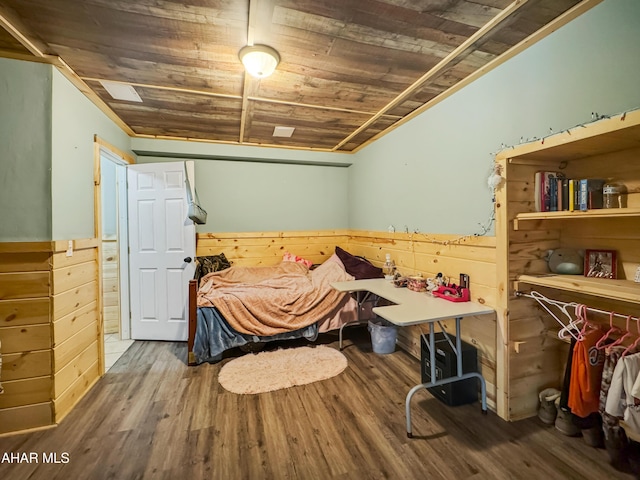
151	416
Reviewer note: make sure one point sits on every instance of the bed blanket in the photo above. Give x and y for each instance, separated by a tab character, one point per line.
266	301
214	336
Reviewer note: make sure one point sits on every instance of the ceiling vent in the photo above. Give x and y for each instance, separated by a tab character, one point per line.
121	91
283	131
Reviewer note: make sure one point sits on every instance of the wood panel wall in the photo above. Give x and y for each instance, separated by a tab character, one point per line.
110	287
48	328
267	248
413	253
76	324
25	332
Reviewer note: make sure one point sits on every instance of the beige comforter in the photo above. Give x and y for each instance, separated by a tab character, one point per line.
266	301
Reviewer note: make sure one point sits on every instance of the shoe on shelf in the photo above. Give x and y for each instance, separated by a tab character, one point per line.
547	411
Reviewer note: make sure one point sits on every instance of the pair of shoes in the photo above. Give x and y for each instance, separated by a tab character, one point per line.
564	422
547	411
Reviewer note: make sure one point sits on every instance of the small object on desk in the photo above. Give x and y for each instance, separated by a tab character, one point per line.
453	293
389	268
416	283
399	281
433	283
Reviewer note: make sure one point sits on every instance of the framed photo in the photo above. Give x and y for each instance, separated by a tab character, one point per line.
600	263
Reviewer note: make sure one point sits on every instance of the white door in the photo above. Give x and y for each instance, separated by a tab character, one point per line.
162	245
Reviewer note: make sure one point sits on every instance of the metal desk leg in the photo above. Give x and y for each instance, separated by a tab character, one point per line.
444	381
360	301
483	386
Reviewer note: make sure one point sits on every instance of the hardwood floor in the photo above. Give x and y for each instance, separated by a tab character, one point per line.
151	416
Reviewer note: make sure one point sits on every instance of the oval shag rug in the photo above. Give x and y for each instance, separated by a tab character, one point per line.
284	368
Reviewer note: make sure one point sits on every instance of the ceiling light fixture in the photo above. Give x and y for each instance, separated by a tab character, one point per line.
259	60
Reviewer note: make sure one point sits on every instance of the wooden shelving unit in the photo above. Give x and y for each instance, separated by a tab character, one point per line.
528	360
576	214
622	290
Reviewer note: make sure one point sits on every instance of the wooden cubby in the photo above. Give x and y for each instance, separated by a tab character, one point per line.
532	356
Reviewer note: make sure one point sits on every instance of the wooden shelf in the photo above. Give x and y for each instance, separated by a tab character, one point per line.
622	290
620	132
599	213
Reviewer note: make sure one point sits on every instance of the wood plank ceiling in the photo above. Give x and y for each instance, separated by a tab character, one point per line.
350	69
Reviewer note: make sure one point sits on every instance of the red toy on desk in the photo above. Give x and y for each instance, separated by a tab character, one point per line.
452	293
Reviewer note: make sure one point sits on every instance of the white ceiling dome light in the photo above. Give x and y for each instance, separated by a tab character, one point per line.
260	61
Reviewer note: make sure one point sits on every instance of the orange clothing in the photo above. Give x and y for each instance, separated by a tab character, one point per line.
586	375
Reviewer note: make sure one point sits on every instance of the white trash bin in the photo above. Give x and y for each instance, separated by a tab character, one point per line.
383	335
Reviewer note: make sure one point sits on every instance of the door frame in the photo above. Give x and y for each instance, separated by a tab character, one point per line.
101	147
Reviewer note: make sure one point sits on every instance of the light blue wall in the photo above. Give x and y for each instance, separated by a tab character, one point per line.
25	161
75	121
431	173
242	196
109	192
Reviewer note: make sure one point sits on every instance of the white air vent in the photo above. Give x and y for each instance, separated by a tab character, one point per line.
121	91
283	131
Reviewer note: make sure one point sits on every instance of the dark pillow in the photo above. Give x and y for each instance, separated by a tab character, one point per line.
209	264
358	267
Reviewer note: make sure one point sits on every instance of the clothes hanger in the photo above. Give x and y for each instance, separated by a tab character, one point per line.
581	313
541	299
635	343
622	338
574	324
600	345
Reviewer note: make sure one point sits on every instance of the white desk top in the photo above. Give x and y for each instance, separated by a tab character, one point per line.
411	307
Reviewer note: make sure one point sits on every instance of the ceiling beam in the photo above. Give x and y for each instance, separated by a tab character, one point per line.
237	97
245	106
38	50
161	87
12	24
488	27
229	142
251	30
73	77
549	28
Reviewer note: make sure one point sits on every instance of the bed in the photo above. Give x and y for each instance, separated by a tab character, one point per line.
249	306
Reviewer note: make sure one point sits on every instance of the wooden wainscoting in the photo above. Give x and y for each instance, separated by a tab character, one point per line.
48	328
25	332
267	248
110	286
429	254
76	324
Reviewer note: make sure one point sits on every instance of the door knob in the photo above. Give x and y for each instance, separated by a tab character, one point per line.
188	260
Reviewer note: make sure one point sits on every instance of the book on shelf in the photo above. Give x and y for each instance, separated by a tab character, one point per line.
555	192
590	193
547	190
563	198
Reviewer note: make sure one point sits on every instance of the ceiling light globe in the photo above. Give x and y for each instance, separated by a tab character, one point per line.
260	61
